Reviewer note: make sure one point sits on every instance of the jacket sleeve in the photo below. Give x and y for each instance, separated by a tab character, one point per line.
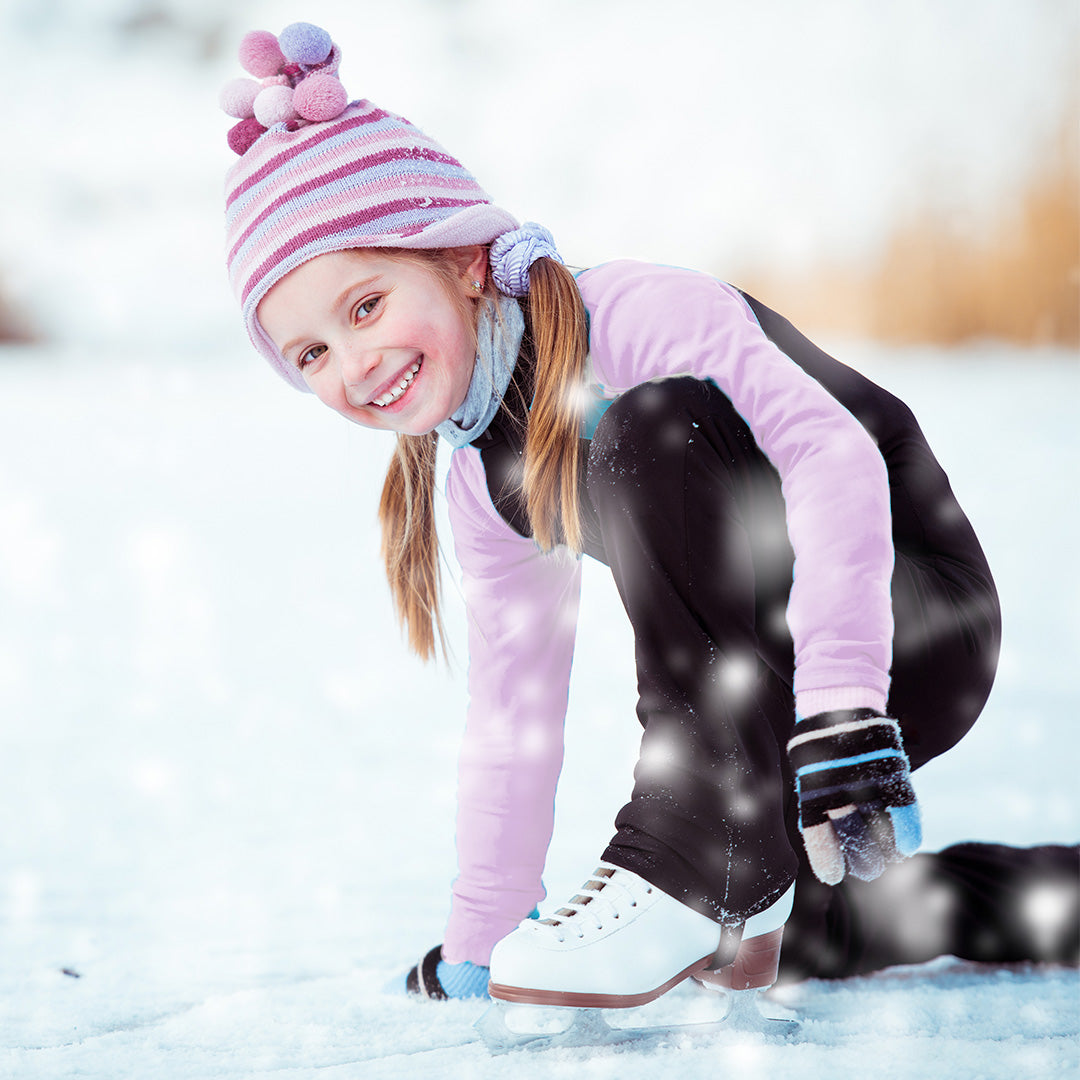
649	322
522	610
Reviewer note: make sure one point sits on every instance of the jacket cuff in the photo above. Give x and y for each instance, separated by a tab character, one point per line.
811	702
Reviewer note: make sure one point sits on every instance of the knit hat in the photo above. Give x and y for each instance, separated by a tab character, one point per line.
317	174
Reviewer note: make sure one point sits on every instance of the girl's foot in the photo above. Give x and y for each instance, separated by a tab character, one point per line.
618	944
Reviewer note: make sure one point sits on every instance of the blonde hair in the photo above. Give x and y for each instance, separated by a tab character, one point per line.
556	327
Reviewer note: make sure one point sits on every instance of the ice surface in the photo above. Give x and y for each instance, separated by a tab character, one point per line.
227	790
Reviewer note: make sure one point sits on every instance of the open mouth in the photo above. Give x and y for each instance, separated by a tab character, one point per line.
395	392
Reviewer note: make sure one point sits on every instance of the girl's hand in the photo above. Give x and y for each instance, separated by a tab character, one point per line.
857	809
434	978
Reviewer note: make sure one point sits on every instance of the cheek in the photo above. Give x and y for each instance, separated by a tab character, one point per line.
331	393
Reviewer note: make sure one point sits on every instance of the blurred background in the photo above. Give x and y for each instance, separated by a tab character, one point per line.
898	170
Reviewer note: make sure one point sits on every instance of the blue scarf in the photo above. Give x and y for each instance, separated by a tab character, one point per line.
498	339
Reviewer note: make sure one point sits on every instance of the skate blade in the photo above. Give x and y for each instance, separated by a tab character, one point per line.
749	1012
507	1027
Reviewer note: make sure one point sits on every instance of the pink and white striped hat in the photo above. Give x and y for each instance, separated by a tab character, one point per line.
308	183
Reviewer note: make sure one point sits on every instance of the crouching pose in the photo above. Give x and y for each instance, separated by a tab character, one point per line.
813	615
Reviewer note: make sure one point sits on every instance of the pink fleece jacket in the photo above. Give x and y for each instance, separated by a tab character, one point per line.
649	322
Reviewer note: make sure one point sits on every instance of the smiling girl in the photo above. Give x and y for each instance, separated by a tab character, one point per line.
392	349
813	615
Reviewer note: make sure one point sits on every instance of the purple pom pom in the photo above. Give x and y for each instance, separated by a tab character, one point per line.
243	135
304	43
237	98
320	97
260	54
274	105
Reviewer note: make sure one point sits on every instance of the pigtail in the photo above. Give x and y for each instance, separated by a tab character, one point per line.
552	446
410	545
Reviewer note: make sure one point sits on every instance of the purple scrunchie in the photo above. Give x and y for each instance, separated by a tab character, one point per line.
514	252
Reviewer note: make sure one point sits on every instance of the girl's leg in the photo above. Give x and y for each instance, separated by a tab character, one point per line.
945	651
691	522
690	518
976	901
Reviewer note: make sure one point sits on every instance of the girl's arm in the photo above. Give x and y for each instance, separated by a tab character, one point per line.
648	322
522	611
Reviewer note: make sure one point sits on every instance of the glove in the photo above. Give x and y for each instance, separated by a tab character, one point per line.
857	809
434	978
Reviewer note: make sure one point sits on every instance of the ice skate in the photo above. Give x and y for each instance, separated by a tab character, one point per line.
620	944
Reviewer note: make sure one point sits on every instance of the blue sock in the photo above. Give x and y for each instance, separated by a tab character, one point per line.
464	980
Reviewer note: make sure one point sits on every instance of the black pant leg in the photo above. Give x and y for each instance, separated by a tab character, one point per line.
691	522
977	901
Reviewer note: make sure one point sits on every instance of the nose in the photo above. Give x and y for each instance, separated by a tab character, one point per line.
357	367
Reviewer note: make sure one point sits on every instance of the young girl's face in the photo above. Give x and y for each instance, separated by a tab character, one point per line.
378	339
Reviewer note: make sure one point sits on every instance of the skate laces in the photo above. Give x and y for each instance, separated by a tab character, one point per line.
607	895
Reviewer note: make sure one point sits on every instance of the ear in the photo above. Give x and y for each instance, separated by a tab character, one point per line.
472	264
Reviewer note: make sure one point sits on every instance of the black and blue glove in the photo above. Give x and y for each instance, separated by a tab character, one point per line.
434	978
857	809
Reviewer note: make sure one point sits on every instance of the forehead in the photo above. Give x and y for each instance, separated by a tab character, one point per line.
333	267
317	283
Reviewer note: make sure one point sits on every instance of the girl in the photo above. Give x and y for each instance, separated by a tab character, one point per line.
813	615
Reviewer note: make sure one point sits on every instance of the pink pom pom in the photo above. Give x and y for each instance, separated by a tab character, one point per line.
237	98
243	135
320	97
274	105
260	53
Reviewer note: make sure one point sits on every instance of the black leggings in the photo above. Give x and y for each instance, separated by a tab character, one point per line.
687	512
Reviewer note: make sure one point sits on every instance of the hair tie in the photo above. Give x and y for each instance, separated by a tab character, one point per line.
514	252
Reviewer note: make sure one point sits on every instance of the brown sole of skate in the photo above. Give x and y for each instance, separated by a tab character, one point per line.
521	995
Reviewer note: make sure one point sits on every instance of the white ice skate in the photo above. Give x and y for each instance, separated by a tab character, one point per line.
619	944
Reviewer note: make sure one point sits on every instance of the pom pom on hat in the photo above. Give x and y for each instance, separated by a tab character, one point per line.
260	53
299	83
237	98
305	43
242	136
274	105
320	97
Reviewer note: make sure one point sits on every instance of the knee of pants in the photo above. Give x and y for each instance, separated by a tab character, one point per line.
645	432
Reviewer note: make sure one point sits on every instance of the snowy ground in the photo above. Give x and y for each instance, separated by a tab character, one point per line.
226	794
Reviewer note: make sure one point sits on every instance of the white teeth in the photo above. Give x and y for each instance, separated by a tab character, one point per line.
393	395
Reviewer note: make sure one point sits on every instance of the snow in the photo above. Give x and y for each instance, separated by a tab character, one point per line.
228	790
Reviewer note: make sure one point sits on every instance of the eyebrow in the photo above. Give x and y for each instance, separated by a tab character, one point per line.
363	283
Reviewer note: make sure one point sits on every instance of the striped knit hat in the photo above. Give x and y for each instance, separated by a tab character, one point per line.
317	175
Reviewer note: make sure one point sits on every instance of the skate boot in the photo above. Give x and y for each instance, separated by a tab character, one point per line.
619	944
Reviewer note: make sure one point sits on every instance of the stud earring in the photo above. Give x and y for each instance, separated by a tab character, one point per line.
478	286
